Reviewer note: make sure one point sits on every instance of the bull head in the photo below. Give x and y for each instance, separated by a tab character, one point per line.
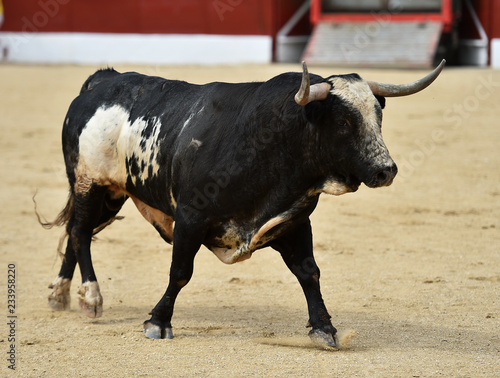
353	148
316	92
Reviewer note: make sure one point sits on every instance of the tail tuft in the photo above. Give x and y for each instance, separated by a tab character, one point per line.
61	220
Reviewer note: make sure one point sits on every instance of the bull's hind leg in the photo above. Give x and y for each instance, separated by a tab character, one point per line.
60	298
296	248
88	211
93	209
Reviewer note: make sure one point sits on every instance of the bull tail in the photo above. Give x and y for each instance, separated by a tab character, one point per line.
62	219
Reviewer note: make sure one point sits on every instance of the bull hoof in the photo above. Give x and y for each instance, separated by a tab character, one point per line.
90	299
153	331
60	299
324	339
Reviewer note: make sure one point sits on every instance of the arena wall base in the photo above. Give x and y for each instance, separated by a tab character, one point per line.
495	53
107	48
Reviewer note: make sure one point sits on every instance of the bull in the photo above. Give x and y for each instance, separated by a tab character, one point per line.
234	167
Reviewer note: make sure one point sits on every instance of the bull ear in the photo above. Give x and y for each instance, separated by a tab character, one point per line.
308	93
381	101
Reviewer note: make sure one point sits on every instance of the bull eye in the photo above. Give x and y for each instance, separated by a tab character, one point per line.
344	127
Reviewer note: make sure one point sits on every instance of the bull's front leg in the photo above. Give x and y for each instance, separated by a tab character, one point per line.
188	238
296	248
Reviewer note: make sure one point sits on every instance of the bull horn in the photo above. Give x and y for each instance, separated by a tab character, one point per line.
308	93
397	90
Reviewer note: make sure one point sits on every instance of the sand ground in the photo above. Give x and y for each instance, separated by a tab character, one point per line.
414	269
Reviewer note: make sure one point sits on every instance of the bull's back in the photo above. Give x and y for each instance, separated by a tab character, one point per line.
144	134
108	135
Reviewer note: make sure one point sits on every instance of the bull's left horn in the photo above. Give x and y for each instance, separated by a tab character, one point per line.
397	90
308	93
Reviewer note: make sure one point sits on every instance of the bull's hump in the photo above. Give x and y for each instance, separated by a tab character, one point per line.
113	149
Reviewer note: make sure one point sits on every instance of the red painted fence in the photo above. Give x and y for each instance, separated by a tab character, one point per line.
233	17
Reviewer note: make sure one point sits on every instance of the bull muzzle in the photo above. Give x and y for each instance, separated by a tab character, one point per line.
383	176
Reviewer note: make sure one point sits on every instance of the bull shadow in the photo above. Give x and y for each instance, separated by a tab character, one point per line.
285	326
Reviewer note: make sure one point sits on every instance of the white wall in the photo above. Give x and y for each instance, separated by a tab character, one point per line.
96	48
495	53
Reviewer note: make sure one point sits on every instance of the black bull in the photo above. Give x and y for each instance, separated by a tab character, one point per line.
234	167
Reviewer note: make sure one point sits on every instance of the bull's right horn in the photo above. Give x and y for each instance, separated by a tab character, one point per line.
308	93
397	90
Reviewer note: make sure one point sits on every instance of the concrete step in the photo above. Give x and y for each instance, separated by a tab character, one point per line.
374	44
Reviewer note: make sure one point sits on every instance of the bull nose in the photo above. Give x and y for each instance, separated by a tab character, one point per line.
385	176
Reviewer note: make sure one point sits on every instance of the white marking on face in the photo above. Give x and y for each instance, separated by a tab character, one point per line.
359	95
109	140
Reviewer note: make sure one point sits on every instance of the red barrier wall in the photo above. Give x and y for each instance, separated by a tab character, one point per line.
488	11
233	17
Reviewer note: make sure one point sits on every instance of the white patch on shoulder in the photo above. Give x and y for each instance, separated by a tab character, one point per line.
109	140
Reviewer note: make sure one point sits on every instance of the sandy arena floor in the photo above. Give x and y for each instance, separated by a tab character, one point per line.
414	269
